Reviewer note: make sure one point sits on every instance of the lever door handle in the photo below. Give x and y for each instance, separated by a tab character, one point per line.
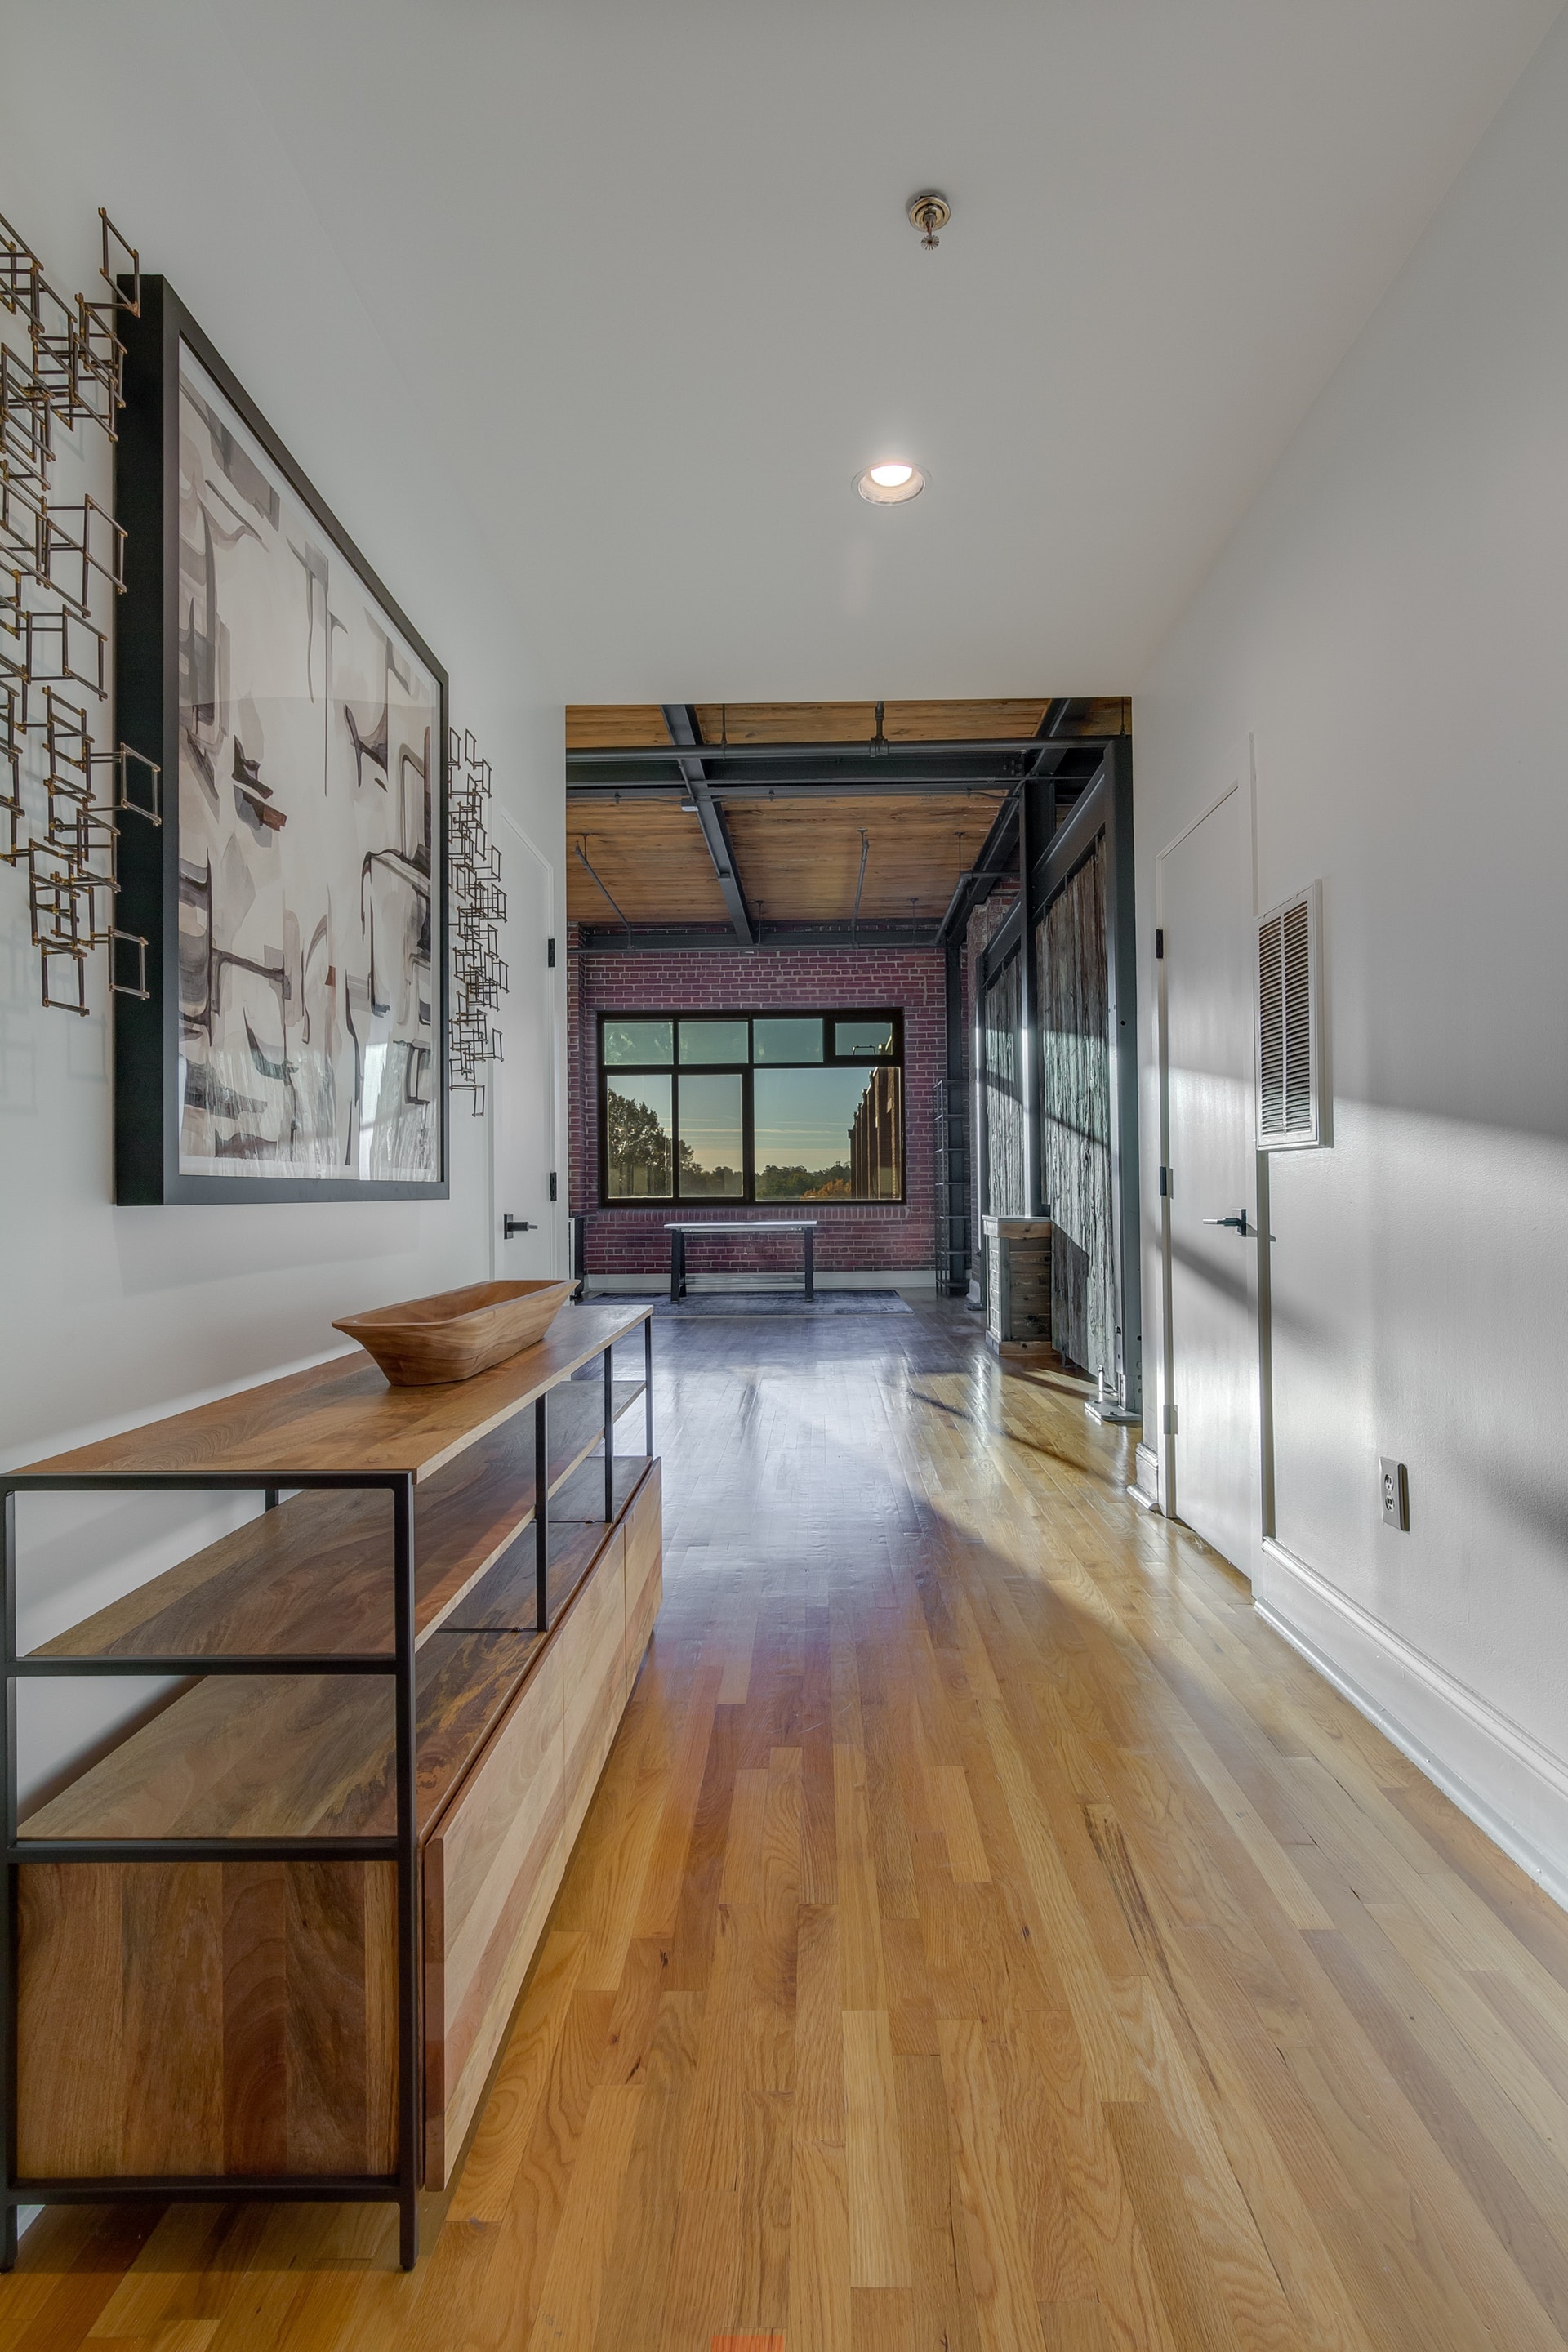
511	1225
1237	1223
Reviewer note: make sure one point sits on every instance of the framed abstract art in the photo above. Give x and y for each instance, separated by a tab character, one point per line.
292	1044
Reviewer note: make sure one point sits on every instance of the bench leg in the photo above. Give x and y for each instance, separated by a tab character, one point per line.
677	1268
810	1240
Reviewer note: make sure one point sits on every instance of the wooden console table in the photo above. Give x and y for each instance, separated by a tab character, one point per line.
268	1946
804	1226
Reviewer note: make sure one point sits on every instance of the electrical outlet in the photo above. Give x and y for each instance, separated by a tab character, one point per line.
1395	1494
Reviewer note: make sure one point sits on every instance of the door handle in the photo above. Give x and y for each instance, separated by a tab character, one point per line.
511	1225
1237	1224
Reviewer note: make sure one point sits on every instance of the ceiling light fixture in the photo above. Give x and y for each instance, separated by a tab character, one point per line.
929	212
890	482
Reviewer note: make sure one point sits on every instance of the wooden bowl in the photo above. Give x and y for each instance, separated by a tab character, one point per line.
457	1333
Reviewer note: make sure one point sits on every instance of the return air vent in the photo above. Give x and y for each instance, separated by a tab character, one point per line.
1289	1093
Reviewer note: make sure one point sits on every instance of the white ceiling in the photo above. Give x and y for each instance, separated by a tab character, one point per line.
646	264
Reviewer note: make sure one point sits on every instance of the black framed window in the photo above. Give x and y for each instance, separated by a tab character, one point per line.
751	1107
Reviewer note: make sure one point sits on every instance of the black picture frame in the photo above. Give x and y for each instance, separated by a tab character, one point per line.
147	1102
630	1204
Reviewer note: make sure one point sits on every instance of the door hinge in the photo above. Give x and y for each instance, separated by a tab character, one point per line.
550	954
1165	1183
1159	945
552	1183
1170	1420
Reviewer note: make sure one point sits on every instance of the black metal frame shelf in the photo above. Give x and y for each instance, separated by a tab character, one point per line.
402	1847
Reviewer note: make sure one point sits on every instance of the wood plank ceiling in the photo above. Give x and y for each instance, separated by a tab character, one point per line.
643	860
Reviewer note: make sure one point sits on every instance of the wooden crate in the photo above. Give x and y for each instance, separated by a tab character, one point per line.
1018	1284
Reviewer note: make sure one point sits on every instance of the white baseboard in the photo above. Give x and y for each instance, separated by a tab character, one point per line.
1508	1784
1145	1487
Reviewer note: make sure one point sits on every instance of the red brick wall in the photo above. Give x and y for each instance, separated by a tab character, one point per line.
633	1240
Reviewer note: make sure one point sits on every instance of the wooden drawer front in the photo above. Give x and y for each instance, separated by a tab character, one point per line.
644	1525
593	1660
207	2017
491	1869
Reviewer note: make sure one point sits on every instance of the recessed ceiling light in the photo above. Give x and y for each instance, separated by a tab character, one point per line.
890	482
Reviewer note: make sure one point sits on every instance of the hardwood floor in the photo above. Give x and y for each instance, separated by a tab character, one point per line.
987	1936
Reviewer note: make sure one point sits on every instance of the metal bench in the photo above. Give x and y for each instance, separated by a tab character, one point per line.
804	1226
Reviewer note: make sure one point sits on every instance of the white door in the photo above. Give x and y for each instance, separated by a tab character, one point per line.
523	1082
1205	905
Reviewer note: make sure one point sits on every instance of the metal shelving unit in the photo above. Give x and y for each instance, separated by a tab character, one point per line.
401	1846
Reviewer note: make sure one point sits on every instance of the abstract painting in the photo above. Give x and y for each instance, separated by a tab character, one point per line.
309	734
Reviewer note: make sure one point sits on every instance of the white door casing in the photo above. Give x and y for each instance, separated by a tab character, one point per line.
523	1083
1203	907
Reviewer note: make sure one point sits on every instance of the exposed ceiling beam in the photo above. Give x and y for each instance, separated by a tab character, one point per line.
998	857
857	787
680	717
652	939
628	759
999	854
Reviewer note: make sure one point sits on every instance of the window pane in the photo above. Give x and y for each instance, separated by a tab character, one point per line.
636	1137
829	1135
787	1041
864	1038
639	1041
715	1041
711	1148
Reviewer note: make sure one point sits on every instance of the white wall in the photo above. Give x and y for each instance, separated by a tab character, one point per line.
1390	625
113	1315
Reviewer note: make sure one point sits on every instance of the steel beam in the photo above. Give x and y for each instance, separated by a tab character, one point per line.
653	939
1121	955
628	758
1035	816
856	786
680	717
997	859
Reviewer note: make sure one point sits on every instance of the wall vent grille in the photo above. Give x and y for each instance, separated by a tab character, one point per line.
1289	1090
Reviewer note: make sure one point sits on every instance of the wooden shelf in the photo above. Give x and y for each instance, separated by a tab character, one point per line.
311	1755
295	2010
316	1573
342	1417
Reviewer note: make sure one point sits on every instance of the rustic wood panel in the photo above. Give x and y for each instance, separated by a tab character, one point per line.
582	1498
1074	1117
243	2018
651	858
613	726
594	1662
491	1869
262	1756
644	1525
608	725
856	722
799	860
316	1573
344	1416
246	2012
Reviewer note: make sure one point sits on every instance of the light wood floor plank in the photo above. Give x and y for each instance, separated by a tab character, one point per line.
987	1936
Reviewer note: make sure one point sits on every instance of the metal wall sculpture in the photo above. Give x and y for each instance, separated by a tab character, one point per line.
477	908
62	563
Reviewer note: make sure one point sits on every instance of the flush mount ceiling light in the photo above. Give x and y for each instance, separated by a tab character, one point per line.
890	482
